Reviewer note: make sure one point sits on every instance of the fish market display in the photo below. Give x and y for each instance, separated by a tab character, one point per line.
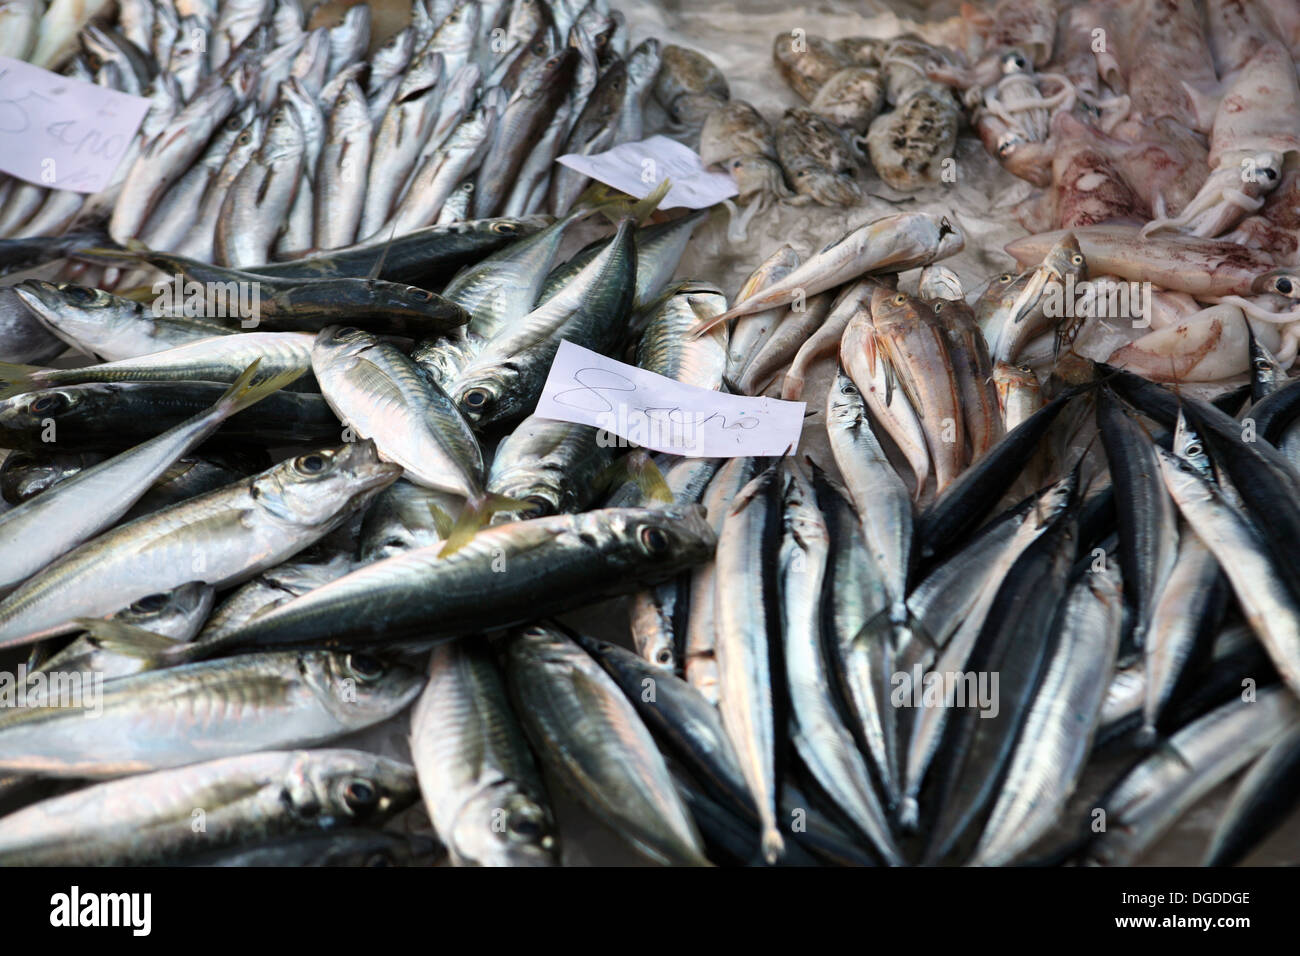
287	535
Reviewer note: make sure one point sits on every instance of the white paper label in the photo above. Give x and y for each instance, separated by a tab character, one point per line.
637	168
664	415
63	133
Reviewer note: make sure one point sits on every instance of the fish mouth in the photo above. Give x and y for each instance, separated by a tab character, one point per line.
39	296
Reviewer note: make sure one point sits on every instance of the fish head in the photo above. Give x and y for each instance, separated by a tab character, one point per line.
322	488
178	613
521	831
359	690
1064	259
844	401
331	787
658	542
67	308
336	342
490	396
940	282
284	135
889	307
643	64
32	413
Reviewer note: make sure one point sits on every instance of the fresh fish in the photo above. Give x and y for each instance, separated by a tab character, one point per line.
747	616
480	784
1263	799
418	596
1049	757
820	738
222	538
551	466
666	348
587	733
222	708
243	799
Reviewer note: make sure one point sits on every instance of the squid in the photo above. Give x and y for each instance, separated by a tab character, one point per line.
1256	126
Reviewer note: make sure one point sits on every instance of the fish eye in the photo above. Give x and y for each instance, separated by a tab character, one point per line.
1077	259
664	657
1283	285
524	826
365	667
360	794
900	299
476	398
1006	277
503	228
849	389
149	604
423	295
655	541
46	404
79	293
938	307
1194	449
245	139
310	464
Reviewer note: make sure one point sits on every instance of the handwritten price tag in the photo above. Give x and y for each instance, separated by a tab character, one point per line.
663	415
63	133
637	168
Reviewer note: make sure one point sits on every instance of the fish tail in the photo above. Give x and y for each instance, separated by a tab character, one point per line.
616	207
639	467
773	845
246	390
127	640
475	516
16	379
709	324
909	814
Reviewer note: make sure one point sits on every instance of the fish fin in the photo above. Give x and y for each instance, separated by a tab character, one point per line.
127	640
442	522
16	379
474	516
643	208
246	390
378	267
638	466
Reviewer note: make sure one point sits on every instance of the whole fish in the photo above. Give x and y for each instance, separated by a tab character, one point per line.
243	798
219	359
820	737
254	210
747	616
385	397
893	244
1053	747
588	734
551	565
882	501
222	537
343	170
108	327
482	789
227	707
113	416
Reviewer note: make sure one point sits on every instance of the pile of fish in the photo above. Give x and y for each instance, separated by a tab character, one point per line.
1106	567
1019	595
269	140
